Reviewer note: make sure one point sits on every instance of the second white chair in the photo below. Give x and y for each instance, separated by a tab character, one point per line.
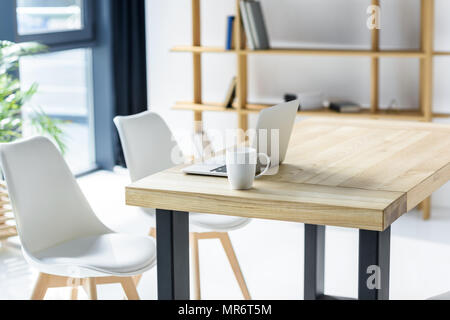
148	147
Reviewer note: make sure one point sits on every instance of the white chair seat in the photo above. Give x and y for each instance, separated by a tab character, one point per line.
202	222
445	296
96	256
212	222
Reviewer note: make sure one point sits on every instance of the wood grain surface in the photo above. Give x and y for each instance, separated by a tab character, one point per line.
361	174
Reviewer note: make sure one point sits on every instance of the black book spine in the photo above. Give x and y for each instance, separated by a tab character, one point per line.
335	107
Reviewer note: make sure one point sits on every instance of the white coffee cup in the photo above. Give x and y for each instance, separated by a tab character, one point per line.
241	167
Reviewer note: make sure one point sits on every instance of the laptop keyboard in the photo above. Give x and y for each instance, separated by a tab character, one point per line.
220	170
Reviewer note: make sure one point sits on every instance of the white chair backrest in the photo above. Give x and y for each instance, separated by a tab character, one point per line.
147	144
48	204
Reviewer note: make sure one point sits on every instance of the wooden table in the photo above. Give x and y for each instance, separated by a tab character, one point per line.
347	173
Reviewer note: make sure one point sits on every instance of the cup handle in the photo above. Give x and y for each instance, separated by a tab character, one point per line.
269	163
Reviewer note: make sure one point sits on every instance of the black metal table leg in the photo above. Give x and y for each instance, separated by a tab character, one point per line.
374	264
314	262
172	231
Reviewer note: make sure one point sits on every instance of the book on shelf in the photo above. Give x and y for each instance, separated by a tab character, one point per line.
308	100
246	23
229	45
231	93
344	106
254	25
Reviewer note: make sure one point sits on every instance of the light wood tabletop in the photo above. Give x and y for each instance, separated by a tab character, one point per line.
361	174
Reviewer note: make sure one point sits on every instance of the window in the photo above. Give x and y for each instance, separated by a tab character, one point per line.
74	75
54	22
65	93
46	16
64	73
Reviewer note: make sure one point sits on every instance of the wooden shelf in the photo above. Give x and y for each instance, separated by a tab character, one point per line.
212	106
199	49
242	108
7	227
8	233
299	52
413	115
441	115
442	53
335	52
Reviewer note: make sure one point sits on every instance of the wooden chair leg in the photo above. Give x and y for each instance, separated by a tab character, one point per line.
152	233
129	287
228	247
90	287
41	286
46	281
74	284
426	208
137	279
74	293
196	265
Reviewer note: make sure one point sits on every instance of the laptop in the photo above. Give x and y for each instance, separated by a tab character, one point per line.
277	121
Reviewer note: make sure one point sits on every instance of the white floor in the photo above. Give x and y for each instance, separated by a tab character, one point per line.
270	253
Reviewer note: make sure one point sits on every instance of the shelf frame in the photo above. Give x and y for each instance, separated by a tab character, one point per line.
242	109
403	114
197	64
307	52
375	68
242	69
425	54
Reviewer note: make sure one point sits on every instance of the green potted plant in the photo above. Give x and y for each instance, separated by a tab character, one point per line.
12	100
13	97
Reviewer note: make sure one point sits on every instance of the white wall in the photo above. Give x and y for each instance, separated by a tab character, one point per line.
323	23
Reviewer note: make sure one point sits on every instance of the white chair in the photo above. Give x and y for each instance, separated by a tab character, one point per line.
60	234
443	297
148	146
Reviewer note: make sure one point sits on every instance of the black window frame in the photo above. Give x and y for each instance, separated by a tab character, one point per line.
62	41
97	36
66	39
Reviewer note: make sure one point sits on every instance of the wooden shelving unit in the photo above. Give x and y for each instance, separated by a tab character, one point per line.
404	114
243	108
305	52
7	225
440	53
